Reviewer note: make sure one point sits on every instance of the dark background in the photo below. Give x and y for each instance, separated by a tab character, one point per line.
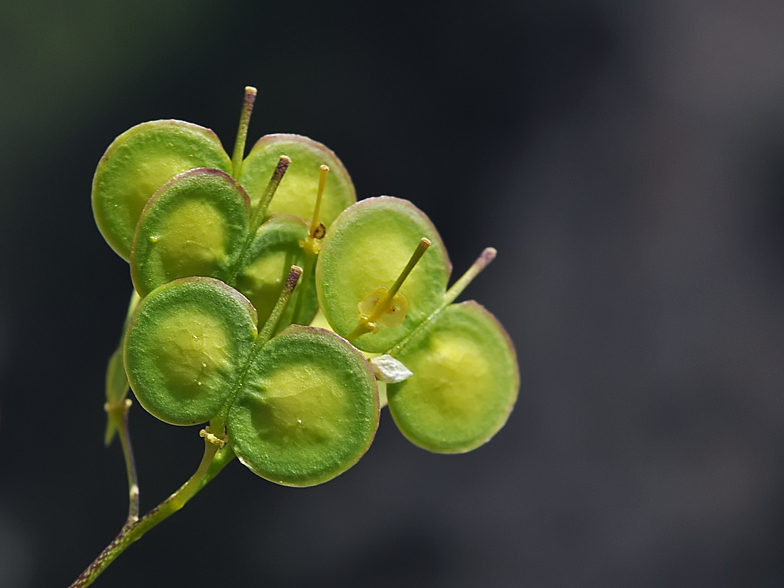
626	159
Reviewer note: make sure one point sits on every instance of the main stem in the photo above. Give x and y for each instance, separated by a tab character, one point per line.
132	531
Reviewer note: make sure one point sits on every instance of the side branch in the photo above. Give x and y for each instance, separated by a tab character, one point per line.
134	530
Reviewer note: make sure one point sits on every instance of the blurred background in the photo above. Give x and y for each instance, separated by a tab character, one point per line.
627	161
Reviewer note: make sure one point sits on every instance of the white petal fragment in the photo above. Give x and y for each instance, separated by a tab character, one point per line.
390	370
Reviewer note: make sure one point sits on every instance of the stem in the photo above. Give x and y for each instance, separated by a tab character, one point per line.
314	222
117	407
457	288
280	306
242	132
310	257
132	532
221	460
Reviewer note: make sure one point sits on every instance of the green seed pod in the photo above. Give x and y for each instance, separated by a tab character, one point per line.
363	254
465	381
140	161
185	348
265	266
195	225
307	409
297	191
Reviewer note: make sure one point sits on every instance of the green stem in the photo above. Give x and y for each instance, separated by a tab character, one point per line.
272	186
457	288
117	407
257	216
221	460
133	531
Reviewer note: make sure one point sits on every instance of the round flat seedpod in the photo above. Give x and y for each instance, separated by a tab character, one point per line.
139	162
297	191
185	348
366	249
266	266
464	385
307	409
195	225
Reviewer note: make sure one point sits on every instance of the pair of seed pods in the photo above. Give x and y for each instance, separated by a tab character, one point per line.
211	251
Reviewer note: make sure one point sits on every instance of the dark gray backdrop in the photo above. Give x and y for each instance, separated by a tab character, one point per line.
624	158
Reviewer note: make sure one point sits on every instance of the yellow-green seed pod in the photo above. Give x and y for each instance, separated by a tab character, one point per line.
140	161
363	254
266	264
296	194
307	409
185	348
465	381
195	225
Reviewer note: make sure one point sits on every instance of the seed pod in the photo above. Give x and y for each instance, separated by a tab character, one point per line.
307	409
195	225
263	270
465	381
185	348
140	161
365	250
296	194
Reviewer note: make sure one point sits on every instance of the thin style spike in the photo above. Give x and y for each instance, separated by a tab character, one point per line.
280	306
266	198
314	222
457	288
311	245
242	132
